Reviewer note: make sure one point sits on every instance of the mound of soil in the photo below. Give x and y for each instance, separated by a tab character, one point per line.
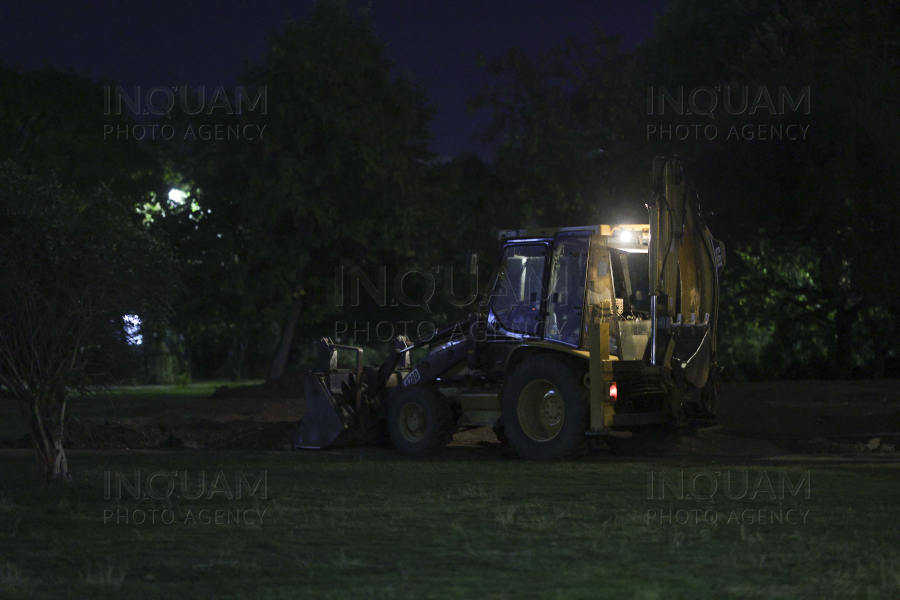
718	443
713	443
238	435
225	410
811	409
758	419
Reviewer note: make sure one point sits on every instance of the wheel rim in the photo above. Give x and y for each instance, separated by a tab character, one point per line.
541	410
412	422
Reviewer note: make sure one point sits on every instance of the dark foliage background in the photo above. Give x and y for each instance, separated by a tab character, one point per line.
270	229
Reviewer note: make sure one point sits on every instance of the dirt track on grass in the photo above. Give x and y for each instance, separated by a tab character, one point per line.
758	419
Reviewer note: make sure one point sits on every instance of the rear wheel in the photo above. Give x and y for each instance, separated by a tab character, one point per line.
420	421
545	408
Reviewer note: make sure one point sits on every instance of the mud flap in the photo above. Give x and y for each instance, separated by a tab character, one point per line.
323	422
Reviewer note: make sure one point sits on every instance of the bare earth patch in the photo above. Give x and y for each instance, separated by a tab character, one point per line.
758	419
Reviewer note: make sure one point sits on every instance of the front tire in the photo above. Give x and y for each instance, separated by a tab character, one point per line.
420	421
545	408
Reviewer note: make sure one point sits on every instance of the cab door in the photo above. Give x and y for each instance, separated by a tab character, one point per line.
518	297
565	300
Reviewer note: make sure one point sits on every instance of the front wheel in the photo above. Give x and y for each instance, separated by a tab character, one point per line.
420	421
545	408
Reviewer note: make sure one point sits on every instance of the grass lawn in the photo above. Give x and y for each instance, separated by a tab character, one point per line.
371	524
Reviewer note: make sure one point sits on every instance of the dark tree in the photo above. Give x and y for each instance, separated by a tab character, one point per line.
333	180
65	124
564	127
72	268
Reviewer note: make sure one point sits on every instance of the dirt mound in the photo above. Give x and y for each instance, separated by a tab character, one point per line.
811	409
227	409
844	445
717	443
703	443
759	419
239	435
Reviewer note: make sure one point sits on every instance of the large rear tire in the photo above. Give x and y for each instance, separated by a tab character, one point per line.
420	421
545	408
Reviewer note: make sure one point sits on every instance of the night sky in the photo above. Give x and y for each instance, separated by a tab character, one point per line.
206	43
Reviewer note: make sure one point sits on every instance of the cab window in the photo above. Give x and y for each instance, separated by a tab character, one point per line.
516	302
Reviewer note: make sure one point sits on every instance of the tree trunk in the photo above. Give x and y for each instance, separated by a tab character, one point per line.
287	340
161	363
47	439
843	350
878	367
238	354
843	347
880	344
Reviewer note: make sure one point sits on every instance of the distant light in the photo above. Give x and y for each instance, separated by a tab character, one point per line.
132	327
176	197
624	235
613	391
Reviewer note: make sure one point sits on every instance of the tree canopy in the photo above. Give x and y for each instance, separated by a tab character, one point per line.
819	203
333	181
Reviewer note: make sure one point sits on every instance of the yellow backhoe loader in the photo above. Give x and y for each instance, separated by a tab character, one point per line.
595	331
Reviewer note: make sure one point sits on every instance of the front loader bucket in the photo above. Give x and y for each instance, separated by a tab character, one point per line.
323	422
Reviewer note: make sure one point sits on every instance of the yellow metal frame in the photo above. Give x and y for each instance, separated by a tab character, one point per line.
601	370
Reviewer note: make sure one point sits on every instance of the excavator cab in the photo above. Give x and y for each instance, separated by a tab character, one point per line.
540	291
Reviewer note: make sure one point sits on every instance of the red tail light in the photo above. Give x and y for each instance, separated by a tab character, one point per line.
613	391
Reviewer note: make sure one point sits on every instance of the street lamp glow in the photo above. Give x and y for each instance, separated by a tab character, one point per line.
176	197
624	235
